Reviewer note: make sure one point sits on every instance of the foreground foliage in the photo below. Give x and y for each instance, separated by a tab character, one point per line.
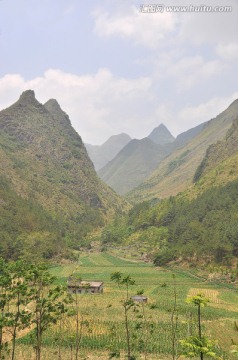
27	299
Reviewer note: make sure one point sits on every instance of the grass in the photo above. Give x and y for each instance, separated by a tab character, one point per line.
102	315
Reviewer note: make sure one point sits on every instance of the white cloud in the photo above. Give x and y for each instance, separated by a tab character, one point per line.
10	87
194	115
145	29
209	27
99	105
190	49
188	72
228	51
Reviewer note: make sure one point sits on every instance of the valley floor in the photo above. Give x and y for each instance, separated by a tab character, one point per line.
102	315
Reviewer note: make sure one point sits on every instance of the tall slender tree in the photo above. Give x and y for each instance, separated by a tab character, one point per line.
47	300
20	317
5	298
127	304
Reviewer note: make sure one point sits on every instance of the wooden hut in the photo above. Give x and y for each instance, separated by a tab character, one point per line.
140	299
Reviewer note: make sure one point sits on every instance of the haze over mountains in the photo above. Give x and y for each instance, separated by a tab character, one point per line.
102	154
160	154
132	165
137	160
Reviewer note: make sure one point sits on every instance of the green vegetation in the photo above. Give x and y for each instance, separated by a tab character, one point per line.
219	152
27	298
27	230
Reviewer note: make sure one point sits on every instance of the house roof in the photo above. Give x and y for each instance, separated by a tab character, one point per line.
79	283
92	283
139	297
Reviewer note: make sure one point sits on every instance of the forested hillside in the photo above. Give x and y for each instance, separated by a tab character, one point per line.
197	231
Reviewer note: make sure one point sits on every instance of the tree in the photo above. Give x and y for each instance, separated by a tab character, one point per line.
19	317
199	345
174	319
47	304
5	297
127	304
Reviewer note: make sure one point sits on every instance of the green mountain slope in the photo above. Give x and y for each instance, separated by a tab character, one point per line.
132	165
219	152
44	161
176	172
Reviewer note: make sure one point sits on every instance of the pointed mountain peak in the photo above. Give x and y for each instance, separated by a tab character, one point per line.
27	97
53	104
162	126
118	139
28	94
161	135
56	112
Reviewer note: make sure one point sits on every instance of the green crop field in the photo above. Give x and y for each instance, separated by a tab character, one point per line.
102	315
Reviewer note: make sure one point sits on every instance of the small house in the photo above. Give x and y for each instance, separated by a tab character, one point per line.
77	286
139	299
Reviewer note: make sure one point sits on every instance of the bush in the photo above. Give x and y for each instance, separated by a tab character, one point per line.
164	257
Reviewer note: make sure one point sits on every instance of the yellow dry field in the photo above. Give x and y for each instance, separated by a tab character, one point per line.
214	300
210	294
25	353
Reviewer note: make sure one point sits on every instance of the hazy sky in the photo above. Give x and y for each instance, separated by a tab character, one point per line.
116	69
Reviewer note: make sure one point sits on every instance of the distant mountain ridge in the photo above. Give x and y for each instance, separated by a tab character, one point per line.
132	164
130	168
102	154
161	135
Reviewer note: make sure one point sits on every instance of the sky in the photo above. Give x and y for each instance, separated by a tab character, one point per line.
114	67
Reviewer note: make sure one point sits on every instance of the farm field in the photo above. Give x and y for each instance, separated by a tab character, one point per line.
102	315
